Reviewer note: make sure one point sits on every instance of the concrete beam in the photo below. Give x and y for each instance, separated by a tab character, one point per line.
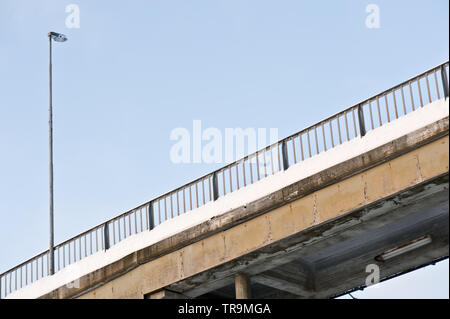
275	280
296	277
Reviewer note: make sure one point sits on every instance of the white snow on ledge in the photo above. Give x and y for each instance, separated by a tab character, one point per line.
373	139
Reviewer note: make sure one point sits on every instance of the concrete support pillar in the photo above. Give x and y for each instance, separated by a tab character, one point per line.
242	285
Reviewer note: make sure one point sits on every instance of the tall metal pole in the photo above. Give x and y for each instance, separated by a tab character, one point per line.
50	127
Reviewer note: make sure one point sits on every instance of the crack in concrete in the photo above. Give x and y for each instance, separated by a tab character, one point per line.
419	171
316	214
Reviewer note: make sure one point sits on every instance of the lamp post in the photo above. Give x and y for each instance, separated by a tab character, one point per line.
58	37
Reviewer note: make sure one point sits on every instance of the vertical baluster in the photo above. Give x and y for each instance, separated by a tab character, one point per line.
444	80
315	137
118	229
301	146
346	127
243	173
354	123
265	163
250	166
371	116
323	135
223	181
403	100
411	95
361	121
124	226
102	235
203	191
196	193
79	243
149	219
96	240
178	204
428	88
165	204
387	108
171	205
278	156
230	179
236	167
437	86
184	201
113	224
190	197
271	159
395	104
129	223
209	188
339	129
140	212
293	150
257	165
331	132
85	246
379	112
420	92
309	143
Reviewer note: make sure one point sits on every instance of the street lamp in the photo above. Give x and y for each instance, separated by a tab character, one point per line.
58	37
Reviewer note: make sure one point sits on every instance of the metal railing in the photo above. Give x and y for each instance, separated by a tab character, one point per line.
354	121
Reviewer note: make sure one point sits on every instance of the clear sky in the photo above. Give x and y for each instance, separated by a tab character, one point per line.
136	70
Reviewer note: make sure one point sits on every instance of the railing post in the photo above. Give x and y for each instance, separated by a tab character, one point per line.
215	187
284	155
444	81
151	218
362	126
106	234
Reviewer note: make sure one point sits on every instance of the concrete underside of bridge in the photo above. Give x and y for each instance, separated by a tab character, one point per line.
312	239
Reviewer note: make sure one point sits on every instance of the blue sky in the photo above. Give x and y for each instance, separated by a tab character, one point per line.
133	72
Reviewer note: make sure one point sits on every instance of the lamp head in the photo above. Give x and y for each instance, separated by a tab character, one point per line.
58	37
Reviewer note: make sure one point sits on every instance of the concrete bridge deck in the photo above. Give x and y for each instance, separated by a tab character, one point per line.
308	231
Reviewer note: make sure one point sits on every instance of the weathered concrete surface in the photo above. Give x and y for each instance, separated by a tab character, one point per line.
307	209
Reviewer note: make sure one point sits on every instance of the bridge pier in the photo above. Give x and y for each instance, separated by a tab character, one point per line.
242	286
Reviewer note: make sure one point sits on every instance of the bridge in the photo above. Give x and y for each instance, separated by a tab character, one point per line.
301	218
